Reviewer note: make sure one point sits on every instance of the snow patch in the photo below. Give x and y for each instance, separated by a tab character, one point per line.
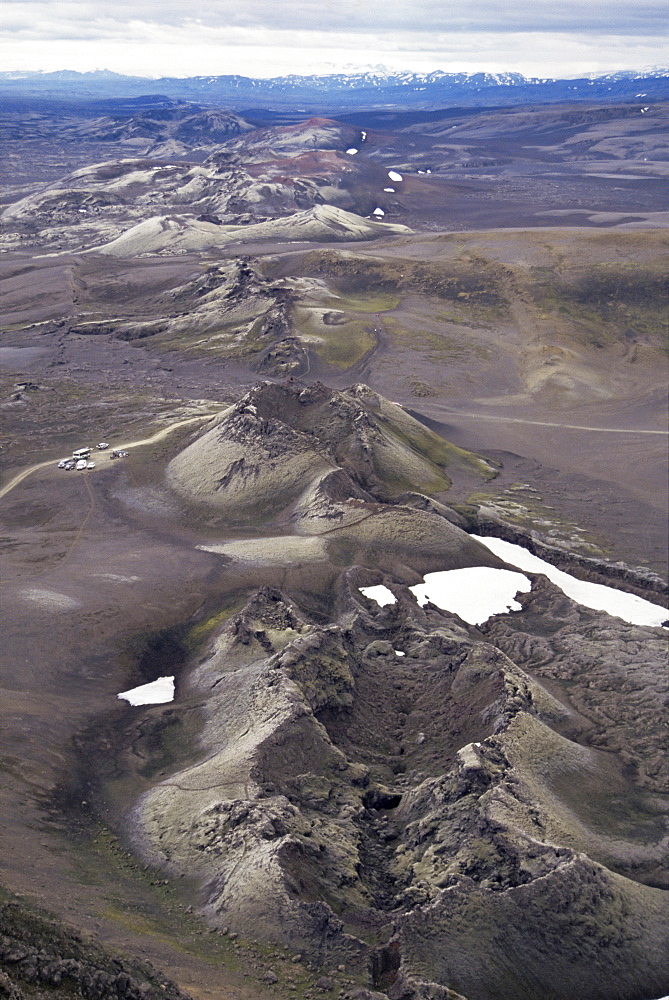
118	577
390	190
394	176
474	593
155	693
352	151
50	598
380	594
597	596
378	212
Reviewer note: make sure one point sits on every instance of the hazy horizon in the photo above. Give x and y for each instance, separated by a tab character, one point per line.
260	40
339	71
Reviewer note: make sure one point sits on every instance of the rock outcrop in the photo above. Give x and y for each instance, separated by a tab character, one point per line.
444	802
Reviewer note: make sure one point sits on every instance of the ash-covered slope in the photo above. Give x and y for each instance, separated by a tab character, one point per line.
296	183
185	123
319	457
139	124
322	223
315	133
221	185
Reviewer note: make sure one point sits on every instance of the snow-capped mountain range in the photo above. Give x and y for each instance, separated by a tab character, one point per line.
375	88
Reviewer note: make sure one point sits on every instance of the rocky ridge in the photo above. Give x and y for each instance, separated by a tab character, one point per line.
348	791
291	173
442	809
41	955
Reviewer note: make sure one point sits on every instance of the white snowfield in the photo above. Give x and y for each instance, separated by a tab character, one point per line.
474	593
597	596
478	592
380	594
156	693
395	176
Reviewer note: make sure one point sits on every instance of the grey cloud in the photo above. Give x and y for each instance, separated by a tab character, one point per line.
79	18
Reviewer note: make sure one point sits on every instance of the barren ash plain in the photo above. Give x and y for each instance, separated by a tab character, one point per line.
335	350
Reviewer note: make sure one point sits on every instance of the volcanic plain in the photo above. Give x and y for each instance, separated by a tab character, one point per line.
331	351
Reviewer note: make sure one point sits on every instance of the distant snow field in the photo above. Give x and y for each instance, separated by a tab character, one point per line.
378	211
394	176
390	190
474	593
352	151
597	596
156	693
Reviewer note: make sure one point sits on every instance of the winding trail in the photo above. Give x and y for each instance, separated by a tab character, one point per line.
543	423
158	436
82	526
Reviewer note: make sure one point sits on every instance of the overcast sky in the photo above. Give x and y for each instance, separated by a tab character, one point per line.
274	37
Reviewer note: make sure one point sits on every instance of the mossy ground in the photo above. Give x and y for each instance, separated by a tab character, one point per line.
434	345
520	505
345	343
607	304
145	903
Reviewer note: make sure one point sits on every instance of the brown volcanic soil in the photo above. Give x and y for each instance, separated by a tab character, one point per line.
539	348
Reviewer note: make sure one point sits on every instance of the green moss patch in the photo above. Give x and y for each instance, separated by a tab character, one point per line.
607	304
341	345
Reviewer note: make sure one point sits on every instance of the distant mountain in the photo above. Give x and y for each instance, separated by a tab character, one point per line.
376	89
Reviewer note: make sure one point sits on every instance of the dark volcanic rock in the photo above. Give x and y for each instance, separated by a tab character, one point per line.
437	793
39	952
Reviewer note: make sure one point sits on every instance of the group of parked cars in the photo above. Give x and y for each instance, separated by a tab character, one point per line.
81	458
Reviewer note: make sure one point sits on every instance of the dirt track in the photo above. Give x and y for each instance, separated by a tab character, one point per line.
158	436
544	423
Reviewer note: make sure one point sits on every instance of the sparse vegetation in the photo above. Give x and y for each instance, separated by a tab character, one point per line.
342	797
